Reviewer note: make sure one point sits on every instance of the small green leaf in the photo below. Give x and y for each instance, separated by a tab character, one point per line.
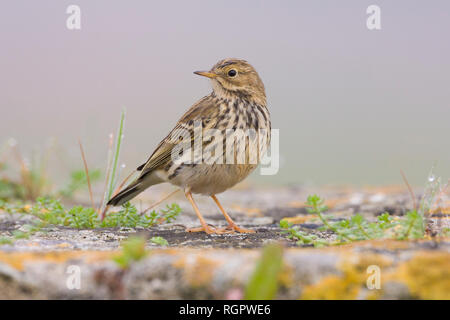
133	249
159	240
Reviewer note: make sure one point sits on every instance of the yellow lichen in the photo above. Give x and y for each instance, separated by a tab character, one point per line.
334	287
427	275
18	260
286	276
198	271
348	285
385	244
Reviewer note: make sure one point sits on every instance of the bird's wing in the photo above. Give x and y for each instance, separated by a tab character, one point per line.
205	108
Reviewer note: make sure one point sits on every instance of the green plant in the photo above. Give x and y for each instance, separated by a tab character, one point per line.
159	240
6	240
82	218
17	234
129	217
8	189
52	212
357	227
446	232
302	237
412	225
113	161
263	284
431	195
133	249
33	180
170	213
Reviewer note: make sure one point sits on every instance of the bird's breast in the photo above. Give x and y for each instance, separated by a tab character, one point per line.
233	141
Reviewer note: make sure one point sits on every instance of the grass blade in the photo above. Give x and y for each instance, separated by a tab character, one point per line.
108	172
263	283
88	179
112	177
160	201
411	192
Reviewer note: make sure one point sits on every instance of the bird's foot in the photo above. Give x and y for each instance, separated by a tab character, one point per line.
234	227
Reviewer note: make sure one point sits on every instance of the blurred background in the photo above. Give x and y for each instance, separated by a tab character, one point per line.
353	106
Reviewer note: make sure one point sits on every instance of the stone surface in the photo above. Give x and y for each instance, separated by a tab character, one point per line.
200	266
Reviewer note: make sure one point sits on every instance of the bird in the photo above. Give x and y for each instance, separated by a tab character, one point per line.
237	102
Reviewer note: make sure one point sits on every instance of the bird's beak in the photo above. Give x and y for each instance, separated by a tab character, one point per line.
206	74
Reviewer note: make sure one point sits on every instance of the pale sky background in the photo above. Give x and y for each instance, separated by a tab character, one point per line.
352	105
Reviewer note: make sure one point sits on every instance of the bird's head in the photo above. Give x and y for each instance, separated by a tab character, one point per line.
234	77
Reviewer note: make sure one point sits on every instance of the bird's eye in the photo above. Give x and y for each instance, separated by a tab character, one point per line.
232	73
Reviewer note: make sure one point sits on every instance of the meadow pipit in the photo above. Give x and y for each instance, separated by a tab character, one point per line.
235	109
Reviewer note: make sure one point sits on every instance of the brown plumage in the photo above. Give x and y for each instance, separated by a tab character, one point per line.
236	105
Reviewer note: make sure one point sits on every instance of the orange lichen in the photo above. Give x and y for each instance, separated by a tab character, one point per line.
392	189
330	203
300	219
296	204
251	212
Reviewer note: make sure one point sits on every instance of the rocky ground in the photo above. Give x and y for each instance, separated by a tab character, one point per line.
200	266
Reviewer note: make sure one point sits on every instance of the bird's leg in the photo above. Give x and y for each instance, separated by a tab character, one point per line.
231	224
204	226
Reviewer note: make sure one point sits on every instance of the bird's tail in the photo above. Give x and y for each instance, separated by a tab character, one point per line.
128	193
